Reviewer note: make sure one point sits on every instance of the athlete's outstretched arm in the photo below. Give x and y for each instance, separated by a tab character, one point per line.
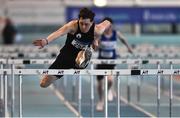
99	30
101	27
123	40
67	28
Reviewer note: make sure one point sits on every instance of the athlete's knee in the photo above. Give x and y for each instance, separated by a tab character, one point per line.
110	78
47	80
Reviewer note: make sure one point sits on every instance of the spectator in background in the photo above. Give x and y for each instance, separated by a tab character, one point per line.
107	50
9	32
174	28
1	19
1	27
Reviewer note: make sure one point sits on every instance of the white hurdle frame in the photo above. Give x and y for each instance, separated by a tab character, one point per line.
95	61
54	54
170	92
2	83
158	91
92	91
116	72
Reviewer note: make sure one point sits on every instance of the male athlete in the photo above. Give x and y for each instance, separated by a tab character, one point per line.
107	50
82	34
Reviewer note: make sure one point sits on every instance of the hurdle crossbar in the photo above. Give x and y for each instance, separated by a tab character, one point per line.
50	54
94	61
92	72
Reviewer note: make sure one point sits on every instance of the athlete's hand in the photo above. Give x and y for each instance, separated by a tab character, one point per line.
40	42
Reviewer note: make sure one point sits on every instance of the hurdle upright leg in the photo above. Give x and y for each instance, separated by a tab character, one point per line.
6	94
106	100
2	90
80	95
92	92
118	97
158	91
13	90
170	91
20	96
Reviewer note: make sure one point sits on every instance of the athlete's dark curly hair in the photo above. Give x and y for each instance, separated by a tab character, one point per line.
86	13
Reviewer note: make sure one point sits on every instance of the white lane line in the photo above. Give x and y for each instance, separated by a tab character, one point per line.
66	103
133	105
165	91
137	107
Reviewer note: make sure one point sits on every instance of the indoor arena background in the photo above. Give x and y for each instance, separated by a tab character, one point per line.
151	27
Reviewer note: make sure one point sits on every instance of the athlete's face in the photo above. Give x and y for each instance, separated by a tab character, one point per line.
85	25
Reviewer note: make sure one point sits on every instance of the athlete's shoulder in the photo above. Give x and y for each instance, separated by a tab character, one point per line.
73	25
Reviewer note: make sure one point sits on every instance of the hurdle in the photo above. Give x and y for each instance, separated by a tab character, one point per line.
95	61
27	48
119	72
121	61
53	54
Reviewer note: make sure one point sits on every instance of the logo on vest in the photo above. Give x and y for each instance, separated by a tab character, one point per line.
78	36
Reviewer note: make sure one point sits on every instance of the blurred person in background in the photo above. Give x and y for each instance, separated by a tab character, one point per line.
107	50
1	27
82	34
9	32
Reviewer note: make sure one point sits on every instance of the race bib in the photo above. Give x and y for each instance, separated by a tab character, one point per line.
78	44
106	54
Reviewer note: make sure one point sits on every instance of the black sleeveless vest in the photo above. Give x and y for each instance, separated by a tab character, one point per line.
77	41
